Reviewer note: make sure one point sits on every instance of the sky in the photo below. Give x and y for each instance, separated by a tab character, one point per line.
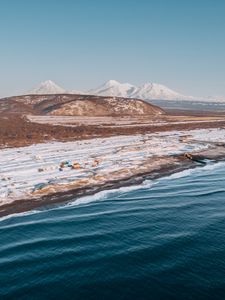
80	44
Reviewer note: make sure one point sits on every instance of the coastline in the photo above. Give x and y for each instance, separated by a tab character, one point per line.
150	169
58	198
20	206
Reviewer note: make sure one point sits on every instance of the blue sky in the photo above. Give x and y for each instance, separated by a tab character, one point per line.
82	43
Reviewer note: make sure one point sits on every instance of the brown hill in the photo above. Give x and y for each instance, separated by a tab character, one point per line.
77	105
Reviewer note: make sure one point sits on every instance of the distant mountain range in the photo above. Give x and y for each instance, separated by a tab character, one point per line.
147	91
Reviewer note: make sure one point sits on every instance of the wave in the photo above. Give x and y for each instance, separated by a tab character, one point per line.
87	199
113	192
22	214
144	185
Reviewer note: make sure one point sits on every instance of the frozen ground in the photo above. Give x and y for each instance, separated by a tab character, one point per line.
35	170
119	121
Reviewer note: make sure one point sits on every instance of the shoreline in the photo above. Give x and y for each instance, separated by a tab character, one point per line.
28	181
20	206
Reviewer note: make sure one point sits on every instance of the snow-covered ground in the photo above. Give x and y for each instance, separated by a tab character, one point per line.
26	171
116	121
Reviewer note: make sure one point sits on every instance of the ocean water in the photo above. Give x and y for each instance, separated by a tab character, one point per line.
161	240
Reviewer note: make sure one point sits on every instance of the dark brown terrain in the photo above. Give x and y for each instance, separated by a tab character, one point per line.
77	105
16	129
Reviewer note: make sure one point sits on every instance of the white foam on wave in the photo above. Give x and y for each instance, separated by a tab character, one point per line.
22	214
213	166
181	174
188	172
107	193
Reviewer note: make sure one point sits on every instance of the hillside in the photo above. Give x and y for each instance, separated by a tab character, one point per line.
77	105
16	129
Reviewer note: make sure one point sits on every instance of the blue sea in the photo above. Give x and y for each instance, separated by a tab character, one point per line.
161	240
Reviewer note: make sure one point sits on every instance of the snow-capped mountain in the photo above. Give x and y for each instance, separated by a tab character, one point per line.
114	88
47	87
50	87
147	91
155	91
